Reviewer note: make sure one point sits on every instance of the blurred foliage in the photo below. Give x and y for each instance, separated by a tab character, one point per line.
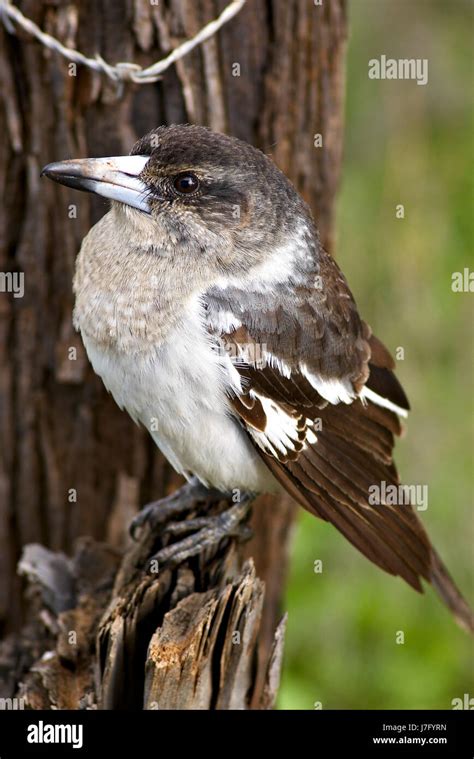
413	145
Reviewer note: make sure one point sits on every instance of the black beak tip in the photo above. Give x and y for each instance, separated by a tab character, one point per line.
48	170
62	172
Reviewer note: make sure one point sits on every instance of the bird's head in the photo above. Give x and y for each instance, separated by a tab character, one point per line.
186	188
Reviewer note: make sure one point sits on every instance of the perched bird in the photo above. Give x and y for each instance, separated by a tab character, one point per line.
215	317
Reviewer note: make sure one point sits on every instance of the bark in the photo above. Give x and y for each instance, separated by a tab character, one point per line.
73	465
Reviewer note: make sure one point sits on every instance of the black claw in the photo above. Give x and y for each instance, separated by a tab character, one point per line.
187	525
208	533
211	531
180	502
145	516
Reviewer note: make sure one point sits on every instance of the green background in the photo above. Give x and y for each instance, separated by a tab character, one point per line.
413	145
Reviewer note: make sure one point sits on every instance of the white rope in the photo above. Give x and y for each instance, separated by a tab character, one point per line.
121	72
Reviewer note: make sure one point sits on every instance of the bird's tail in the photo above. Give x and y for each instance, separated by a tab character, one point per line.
449	593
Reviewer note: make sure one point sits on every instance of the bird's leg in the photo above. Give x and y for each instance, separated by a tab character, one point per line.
181	501
211	530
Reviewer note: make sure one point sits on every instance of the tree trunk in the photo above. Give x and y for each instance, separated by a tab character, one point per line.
71	463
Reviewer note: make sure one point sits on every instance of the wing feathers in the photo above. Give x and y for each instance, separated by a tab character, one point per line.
329	455
448	592
384	383
394	537
364	431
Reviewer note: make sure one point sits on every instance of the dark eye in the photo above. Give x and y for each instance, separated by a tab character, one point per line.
186	183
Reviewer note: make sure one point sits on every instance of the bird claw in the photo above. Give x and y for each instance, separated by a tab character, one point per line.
211	531
182	501
187	525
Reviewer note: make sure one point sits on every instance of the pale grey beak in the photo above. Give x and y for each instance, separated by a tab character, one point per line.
116	178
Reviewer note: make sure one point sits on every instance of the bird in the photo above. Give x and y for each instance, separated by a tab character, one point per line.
215	317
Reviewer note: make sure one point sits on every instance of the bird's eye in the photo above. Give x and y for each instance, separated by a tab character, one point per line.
186	183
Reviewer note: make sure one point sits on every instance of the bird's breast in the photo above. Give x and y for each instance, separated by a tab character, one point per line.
179	390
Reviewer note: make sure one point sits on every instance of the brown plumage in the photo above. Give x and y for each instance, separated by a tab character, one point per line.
331	477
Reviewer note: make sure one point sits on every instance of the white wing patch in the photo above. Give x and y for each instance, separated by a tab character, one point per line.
332	390
223	322
311	437
285	434
368	395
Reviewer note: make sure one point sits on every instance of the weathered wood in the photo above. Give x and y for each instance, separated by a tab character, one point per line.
72	464
181	639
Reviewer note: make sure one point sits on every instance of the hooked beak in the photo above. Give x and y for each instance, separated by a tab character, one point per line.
116	178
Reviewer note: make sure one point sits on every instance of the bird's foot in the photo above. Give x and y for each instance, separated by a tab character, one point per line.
211	531
157	513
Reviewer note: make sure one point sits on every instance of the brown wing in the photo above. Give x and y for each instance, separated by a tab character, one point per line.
309	320
332	458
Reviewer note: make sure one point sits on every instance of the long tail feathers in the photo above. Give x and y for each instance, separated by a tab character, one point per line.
449	594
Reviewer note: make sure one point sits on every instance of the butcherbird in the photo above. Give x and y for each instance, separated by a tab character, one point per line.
215	317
